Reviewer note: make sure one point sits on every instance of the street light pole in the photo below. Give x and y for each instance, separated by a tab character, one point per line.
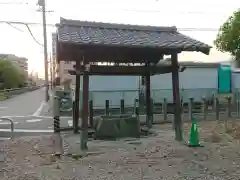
42	4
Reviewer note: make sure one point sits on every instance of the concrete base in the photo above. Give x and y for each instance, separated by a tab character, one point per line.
111	127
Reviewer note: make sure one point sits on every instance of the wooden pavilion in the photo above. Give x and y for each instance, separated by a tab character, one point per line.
140	47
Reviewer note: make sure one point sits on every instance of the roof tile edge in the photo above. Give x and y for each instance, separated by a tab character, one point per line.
77	23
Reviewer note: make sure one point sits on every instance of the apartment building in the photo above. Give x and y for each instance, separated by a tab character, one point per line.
54	64
20	63
61	69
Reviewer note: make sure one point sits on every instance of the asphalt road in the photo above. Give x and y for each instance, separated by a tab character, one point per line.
25	110
23	105
33	123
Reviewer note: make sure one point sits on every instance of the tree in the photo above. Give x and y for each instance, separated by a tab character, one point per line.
228	37
10	77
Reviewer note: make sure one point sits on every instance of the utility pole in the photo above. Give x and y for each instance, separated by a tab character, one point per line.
51	70
42	4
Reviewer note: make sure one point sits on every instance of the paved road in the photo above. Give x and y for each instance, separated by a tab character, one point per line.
32	123
25	110
23	105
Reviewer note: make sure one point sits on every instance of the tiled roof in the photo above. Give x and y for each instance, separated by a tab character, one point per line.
83	32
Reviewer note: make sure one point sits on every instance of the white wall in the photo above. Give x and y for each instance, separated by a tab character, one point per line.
193	82
113	88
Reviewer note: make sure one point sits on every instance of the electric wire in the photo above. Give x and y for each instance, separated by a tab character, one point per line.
53	25
14	27
29	30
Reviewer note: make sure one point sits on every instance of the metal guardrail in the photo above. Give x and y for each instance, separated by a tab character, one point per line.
11	124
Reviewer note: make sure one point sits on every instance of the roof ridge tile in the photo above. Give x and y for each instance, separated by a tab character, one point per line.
105	25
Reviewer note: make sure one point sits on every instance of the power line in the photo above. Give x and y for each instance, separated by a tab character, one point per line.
126	9
13	3
28	23
15	27
129	10
29	30
163	12
89	8
53	25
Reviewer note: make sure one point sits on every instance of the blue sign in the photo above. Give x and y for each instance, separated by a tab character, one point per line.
224	79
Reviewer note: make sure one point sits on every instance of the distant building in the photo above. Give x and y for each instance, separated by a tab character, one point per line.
20	63
64	67
54	64
60	69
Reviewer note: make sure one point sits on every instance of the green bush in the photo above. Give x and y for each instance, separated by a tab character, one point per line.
10	77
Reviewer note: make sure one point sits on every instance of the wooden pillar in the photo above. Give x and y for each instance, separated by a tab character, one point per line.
77	96
148	101
84	125
176	98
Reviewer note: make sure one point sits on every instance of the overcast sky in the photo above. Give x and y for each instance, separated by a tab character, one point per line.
181	13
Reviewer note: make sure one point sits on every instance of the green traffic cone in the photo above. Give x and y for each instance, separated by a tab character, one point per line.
194	139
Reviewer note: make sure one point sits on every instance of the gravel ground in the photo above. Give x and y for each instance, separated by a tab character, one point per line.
153	158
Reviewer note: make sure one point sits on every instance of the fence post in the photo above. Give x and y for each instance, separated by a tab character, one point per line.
136	113
165	109
107	108
217	108
75	128
90	104
56	114
136	107
205	108
152	108
213	103
237	101
122	106
190	108
73	111
229	103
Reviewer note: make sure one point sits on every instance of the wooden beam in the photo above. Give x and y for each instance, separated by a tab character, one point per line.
84	125
148	99
76	103
116	57
110	54
176	98
124	70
